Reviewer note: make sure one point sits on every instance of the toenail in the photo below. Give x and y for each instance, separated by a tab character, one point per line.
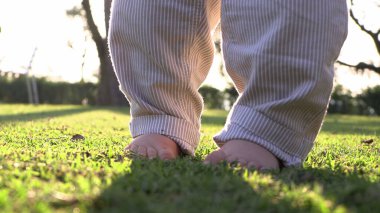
167	156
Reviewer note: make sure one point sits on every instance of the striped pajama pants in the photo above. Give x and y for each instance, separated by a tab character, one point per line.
279	53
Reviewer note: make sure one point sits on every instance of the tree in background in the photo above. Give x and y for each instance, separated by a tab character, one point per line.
371	97
108	91
343	102
230	93
213	98
375	36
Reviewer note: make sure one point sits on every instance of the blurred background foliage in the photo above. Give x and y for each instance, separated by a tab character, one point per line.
13	89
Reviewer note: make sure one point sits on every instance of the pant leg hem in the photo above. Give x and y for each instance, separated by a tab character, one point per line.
245	123
179	130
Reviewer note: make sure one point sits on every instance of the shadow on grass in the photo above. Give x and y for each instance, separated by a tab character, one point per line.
178	186
29	116
188	186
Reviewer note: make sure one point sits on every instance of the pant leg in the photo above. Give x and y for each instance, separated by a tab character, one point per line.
280	55
161	51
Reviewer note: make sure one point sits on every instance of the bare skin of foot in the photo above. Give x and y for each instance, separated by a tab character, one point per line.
154	146
245	153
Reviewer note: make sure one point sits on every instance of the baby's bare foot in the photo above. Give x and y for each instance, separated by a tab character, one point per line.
246	153
154	146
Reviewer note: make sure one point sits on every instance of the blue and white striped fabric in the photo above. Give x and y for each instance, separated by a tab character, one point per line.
279	53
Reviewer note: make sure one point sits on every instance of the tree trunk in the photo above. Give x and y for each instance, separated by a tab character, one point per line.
108	88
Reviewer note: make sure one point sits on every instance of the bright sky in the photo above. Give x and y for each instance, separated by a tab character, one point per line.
43	24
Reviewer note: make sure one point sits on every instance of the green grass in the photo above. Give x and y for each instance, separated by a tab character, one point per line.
42	170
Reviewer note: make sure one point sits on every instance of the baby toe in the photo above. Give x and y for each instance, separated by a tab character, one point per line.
166	155
131	150
141	151
129	147
254	165
152	153
134	148
215	157
242	162
232	159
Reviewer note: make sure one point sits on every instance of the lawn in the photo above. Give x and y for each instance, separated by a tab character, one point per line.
42	169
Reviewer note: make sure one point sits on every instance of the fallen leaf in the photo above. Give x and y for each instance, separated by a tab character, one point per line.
65	198
77	137
368	141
